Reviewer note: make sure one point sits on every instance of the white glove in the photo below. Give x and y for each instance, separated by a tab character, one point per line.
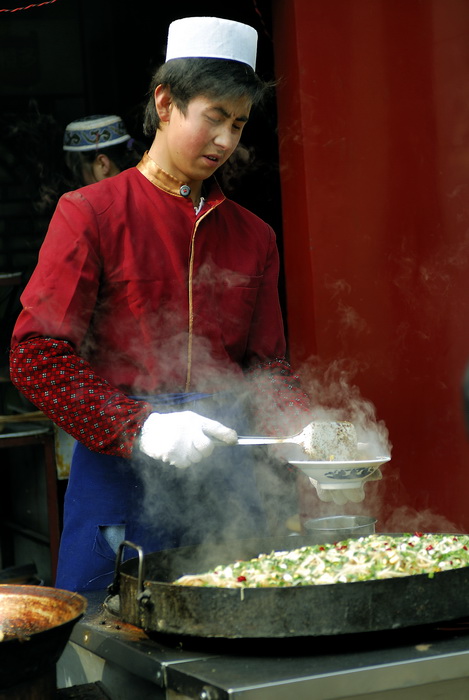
341	496
182	438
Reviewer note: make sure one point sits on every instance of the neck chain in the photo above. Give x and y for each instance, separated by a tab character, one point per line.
201	200
199	206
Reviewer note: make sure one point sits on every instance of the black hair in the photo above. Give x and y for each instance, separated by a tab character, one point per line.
123	155
211	77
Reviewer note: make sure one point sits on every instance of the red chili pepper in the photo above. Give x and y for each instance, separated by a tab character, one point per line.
241	578
464	547
429	547
322	549
418	534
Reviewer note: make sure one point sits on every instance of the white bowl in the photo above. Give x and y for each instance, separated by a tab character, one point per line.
341	475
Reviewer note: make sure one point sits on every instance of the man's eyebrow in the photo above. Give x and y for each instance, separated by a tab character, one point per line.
241	118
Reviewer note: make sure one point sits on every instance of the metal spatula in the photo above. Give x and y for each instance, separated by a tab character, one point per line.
321	440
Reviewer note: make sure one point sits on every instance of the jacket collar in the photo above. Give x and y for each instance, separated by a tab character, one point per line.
164	181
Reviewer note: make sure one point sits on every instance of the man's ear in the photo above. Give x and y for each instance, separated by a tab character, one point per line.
163	102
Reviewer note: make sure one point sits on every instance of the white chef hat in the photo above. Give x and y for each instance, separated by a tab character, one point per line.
212	37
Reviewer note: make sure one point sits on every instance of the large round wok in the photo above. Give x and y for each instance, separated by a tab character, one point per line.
35	625
149	600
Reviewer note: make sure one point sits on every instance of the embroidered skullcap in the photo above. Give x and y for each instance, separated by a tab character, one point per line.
212	37
97	131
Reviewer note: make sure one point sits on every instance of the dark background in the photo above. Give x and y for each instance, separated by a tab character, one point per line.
74	58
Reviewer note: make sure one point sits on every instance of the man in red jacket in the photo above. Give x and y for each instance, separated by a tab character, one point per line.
152	315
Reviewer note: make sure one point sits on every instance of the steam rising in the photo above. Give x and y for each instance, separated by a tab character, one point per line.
333	398
406	519
204	500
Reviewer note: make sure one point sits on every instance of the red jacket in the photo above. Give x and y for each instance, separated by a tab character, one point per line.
141	296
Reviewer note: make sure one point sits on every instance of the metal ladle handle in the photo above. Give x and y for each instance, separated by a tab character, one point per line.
263	440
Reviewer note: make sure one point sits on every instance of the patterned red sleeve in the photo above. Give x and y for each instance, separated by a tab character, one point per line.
278	387
63	385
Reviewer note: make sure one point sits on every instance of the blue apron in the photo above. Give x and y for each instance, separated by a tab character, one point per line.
157	505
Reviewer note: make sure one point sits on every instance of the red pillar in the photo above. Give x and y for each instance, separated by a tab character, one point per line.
373	111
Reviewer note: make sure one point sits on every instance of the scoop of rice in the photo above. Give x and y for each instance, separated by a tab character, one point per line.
331	440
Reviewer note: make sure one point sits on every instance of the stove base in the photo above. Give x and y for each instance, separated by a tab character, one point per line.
422	664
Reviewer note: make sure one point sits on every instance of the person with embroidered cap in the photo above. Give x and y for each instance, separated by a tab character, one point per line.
162	321
97	147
